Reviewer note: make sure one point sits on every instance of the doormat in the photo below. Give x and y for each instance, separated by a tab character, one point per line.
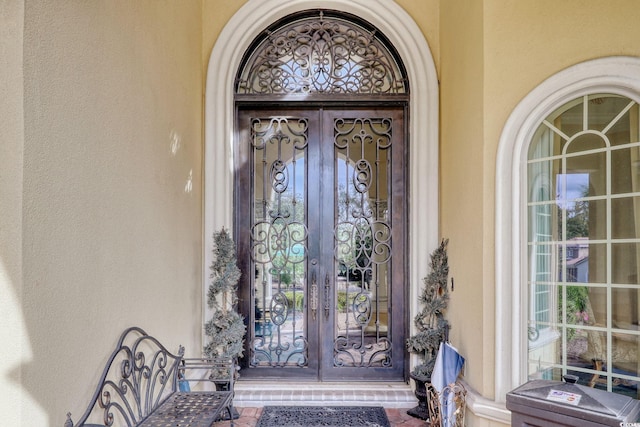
323	416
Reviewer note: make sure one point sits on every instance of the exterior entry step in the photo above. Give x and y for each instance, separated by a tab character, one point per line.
256	394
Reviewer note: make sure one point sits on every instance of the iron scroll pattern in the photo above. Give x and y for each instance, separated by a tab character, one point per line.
139	376
279	242
321	54
362	239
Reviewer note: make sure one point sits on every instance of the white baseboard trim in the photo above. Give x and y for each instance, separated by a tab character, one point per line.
486	408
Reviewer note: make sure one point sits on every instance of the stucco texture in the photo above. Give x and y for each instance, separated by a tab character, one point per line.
12	335
100	177
493	53
110	225
462	185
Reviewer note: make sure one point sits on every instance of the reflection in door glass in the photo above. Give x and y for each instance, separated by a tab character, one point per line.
362	242
279	242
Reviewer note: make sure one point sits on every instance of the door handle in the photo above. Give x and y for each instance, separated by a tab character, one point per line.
314	295
327	297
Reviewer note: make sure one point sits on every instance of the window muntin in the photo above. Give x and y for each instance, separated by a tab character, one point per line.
583	238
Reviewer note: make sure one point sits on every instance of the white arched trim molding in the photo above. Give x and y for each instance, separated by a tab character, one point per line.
404	34
618	75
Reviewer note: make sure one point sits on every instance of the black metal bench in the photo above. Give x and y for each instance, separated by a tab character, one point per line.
145	385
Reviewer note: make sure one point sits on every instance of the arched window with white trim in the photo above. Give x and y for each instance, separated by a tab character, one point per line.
568	231
583	244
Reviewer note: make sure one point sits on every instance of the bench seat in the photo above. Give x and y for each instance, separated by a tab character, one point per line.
145	385
192	409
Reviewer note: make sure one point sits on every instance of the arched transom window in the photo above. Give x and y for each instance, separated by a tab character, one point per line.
322	53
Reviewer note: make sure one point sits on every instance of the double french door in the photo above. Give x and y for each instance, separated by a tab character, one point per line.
320	225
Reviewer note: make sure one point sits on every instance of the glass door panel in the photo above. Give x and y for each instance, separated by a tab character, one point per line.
365	291
323	287
362	242
279	241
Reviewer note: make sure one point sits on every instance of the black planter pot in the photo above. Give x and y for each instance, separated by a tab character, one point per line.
422	410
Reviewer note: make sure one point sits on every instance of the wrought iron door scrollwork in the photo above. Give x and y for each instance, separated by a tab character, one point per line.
348	353
278	242
362	239
362	309
319	96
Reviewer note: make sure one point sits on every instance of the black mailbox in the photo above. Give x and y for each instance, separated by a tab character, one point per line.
554	403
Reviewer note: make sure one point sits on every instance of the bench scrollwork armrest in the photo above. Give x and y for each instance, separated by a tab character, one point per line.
139	376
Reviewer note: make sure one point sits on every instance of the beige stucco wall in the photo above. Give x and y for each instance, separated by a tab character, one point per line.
12	332
493	53
462	185
215	14
102	133
100	218
426	14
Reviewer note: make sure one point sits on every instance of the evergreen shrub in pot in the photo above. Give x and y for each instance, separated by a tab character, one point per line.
432	327
225	329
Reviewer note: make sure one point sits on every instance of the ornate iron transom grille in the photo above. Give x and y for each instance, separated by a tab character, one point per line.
322	54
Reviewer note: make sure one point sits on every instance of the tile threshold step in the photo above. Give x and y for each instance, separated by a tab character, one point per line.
262	393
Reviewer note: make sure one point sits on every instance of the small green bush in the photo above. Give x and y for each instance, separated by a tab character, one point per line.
345	299
299	301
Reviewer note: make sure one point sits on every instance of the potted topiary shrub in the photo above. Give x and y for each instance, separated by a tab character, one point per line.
432	327
225	330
